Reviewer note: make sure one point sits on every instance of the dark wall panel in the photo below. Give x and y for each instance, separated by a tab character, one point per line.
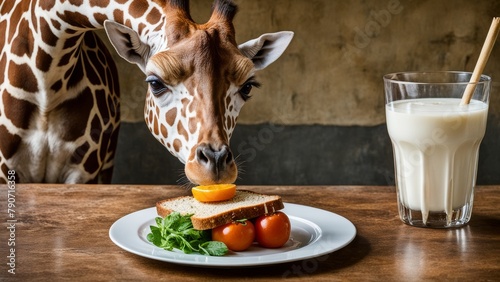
290	155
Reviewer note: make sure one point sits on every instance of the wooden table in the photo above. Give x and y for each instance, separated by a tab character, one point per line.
61	233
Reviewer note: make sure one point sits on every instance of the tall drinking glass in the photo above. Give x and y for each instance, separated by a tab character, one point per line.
435	143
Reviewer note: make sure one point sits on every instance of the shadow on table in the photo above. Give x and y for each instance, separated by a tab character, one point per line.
485	224
345	257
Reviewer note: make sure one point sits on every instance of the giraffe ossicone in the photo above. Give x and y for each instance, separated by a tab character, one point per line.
198	76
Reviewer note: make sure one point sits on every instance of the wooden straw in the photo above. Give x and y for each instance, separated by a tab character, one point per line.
481	62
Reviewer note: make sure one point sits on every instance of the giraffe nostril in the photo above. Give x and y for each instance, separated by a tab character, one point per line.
212	164
214	160
202	155
225	156
229	157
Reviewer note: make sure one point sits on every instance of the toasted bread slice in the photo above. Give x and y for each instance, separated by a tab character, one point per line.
244	205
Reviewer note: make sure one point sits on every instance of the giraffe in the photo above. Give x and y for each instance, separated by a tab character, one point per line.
59	112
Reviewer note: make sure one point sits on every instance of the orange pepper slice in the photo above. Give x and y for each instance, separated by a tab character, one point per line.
214	193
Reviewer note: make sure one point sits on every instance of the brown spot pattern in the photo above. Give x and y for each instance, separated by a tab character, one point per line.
22	76
163	131
96	129
99	3
111	72
113	106
76	19
184	106
65	60
150	116
192	125
23	43
47	4
102	105
5	171
141	27
71	42
8	142
137	8
154	16
106	138
228	122
14	19
100	18
75	75
92	71
76	2
3	26
113	140
6	7
56	24
56	86
182	131
101	56
91	165
170	116
80	153
90	40
76	112
177	145
118	15
155	126
47	36
18	111
43	60
3	62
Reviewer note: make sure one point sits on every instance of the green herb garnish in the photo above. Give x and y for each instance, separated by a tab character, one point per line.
176	231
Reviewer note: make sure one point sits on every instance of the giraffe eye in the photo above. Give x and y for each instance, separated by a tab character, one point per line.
247	88
156	86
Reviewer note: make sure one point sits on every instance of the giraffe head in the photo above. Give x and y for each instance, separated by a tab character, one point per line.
198	83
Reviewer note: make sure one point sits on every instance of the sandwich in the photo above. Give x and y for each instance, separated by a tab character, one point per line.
218	218
208	215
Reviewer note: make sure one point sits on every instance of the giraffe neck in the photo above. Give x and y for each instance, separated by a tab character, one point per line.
59	106
63	23
55	36
70	17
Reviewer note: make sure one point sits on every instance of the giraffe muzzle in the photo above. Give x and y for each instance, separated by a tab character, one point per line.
212	165
214	160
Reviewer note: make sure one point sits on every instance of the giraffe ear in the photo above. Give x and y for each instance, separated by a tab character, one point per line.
127	44
267	48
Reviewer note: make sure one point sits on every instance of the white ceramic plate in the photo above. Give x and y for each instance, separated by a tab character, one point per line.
315	232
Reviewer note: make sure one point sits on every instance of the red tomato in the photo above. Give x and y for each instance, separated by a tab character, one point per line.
236	235
272	230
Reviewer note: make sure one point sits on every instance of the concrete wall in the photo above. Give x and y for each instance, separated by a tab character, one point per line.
326	92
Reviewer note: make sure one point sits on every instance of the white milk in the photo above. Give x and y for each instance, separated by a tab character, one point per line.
436	145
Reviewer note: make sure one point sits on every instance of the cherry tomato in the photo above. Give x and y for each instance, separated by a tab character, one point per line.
237	236
272	230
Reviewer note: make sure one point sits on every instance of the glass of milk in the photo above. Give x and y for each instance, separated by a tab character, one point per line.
435	143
